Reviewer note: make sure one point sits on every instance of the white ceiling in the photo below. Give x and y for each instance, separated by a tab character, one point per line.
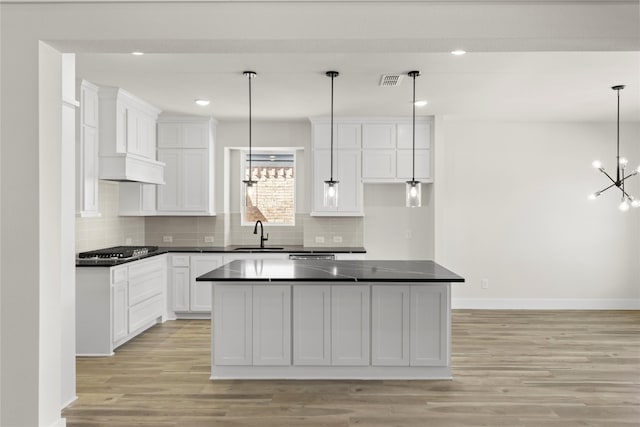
547	60
548	86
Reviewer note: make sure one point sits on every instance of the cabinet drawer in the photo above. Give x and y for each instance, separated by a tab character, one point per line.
145	312
144	268
180	260
118	275
142	288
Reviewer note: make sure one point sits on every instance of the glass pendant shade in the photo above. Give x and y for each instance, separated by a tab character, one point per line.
414	194
331	194
250	192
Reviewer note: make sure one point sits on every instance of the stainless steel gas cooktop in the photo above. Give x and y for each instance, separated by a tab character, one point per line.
119	252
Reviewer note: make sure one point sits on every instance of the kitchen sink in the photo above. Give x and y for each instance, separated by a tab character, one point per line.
257	248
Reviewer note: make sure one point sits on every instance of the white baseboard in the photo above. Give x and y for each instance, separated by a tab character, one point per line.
62	422
69	402
545	303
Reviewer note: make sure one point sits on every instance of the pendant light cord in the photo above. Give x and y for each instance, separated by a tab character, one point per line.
331	176
413	172
250	174
618	141
250	75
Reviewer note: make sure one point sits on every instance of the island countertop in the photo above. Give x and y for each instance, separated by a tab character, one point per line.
330	271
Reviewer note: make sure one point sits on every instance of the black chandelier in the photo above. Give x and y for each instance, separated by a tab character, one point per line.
621	164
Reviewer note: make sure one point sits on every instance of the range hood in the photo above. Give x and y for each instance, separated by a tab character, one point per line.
127	129
131	167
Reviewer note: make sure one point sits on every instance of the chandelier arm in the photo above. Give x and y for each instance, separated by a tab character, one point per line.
625	193
608	176
629	176
606	188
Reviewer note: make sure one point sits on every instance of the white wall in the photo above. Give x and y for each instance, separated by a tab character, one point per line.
264	134
511	207
393	231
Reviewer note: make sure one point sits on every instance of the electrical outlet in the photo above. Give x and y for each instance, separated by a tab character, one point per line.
407	234
337	239
319	239
208	239
128	241
484	283
167	239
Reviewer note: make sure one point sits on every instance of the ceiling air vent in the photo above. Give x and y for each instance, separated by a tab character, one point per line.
388	80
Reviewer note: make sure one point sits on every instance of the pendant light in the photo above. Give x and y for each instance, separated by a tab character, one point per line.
331	186
249	183
621	164
414	191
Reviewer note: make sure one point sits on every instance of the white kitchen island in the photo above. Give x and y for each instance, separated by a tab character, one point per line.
276	319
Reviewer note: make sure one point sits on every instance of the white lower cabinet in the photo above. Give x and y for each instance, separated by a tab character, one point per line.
316	330
312	325
232	325
114	304
190	298
430	327
271	325
350	325
390	325
200	292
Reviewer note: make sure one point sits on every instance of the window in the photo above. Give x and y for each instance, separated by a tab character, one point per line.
272	200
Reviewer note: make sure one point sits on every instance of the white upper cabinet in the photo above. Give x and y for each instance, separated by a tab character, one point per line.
346	135
87	151
128	138
186	146
347	167
387	154
379	135
423	135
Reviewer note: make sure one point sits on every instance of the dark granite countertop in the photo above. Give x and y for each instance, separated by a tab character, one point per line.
111	262
330	271
269	249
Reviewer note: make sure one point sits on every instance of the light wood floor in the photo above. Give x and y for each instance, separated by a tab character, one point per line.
511	368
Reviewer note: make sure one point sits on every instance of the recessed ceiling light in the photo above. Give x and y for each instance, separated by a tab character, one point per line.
421	103
458	52
202	102
137	53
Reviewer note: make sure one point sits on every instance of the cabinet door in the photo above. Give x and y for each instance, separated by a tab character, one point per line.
312	325
379	136
350	177
195	135
390	325
345	136
232	325
377	164
271	325
195	180
89	170
348	136
180	280
423	164
430	328
169	135
423	136
169	193
350	325
119	310
201	291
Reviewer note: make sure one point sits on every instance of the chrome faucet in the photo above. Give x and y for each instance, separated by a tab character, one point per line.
262	238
